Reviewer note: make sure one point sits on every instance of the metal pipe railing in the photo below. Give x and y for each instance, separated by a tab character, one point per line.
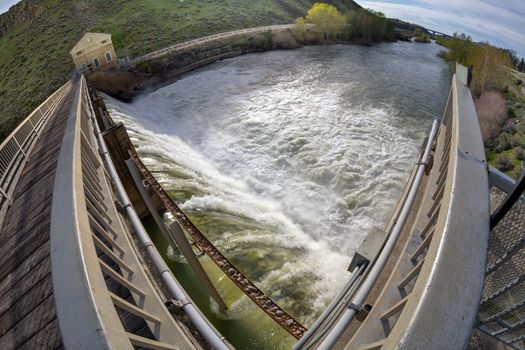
186	44
377	267
16	148
216	340
316	331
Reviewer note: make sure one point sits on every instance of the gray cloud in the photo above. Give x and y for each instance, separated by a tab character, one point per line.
5	4
500	22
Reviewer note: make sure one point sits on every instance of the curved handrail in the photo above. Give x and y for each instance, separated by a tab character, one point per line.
99	282
16	148
179	46
431	298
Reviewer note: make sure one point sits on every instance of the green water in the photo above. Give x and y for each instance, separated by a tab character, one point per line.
248	327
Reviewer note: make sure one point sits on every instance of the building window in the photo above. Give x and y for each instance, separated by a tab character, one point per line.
104	41
108	57
79	53
83	67
96	62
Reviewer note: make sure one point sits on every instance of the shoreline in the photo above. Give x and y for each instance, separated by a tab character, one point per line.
152	74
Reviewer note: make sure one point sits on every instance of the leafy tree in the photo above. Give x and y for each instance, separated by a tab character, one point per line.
369	27
300	28
421	36
491	64
326	19
521	65
491	68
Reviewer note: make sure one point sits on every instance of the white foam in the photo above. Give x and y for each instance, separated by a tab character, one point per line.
284	150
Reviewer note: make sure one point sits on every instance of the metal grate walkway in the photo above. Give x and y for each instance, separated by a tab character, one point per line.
502	307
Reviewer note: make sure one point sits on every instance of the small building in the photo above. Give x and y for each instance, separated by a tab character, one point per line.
93	51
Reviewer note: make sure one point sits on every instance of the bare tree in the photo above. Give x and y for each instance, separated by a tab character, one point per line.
492	113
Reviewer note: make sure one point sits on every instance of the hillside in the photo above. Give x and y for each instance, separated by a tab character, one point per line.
36	36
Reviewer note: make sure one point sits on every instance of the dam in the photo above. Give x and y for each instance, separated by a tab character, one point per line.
92	256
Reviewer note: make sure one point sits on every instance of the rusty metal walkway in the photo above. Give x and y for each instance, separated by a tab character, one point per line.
280	316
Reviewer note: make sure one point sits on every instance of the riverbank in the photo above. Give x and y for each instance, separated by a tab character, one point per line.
36	37
163	67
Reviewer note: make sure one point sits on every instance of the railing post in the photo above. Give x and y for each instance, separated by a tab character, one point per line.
20	149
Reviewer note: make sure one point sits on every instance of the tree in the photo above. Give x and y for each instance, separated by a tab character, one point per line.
491	68
327	20
521	65
421	36
492	113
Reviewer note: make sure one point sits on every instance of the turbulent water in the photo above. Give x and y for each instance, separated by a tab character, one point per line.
286	160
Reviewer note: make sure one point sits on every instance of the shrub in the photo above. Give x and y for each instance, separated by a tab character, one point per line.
503	142
516	141
492	112
509	127
518	152
504	163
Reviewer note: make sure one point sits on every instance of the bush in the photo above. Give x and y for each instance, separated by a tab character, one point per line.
504	163
516	141
492	112
509	127
518	152
504	142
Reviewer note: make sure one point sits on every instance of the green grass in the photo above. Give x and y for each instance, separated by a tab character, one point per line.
515	102
34	57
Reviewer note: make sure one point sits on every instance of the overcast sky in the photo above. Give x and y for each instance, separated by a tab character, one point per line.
4	4
500	22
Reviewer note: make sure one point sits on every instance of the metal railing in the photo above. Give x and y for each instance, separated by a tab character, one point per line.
104	297
187	44
340	305
502	308
16	148
430	300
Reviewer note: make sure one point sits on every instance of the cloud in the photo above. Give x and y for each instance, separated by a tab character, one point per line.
5	4
500	22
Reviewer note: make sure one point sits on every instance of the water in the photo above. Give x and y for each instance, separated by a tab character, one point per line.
286	160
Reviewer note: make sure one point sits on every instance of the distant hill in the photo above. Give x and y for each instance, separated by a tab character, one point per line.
36	36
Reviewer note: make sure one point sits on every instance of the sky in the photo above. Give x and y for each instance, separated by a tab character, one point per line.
5	4
501	22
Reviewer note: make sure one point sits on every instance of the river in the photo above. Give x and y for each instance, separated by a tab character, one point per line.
286	160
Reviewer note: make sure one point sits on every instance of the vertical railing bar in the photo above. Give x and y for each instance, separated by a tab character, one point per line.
98	243
106	225
96	226
93	199
91	206
93	176
98	194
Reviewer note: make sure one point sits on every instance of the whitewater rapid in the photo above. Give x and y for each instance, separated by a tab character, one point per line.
290	158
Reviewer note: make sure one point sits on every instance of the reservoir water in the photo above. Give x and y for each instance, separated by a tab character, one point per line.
286	160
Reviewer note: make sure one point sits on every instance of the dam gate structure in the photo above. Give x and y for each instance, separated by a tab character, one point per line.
78	269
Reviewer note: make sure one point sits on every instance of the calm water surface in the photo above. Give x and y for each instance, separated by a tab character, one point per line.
286	160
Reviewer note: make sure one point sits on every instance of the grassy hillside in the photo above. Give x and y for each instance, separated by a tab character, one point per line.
34	54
